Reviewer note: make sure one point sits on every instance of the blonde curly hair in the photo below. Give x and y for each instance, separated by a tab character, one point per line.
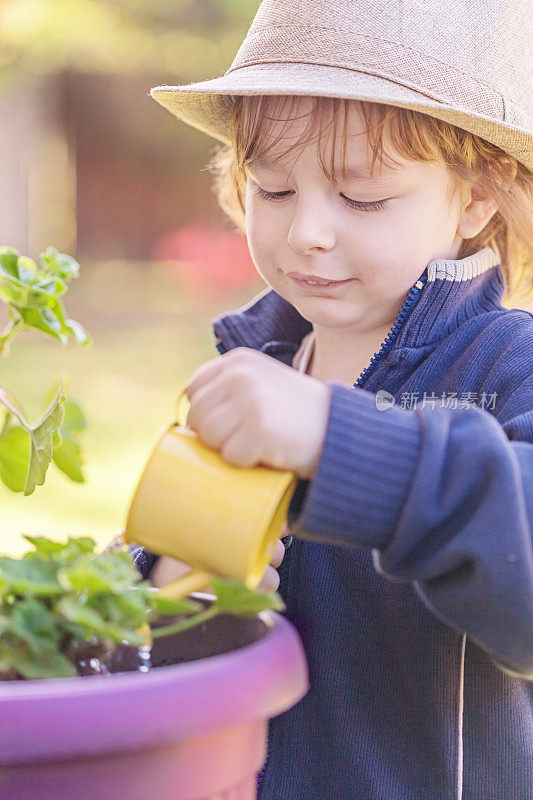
410	134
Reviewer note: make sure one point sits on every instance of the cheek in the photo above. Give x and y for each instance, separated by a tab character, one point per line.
410	229
255	236
253	228
435	213
260	250
261	233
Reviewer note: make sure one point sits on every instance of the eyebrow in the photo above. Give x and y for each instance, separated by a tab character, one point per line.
351	172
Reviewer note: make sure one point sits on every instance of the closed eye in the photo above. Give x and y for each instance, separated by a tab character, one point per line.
358	204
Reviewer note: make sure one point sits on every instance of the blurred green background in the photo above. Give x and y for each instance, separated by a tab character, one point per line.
92	165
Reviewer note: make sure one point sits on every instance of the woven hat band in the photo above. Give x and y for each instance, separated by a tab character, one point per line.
362	53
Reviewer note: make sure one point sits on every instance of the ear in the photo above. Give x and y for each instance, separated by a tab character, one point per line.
478	209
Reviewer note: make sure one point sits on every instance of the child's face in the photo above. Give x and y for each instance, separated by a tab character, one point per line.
313	230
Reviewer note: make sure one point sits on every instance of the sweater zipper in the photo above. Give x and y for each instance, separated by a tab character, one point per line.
408	304
413	295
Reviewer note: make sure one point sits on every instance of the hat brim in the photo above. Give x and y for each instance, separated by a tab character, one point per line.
205	105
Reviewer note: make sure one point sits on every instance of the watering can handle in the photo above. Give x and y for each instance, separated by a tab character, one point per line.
182	402
196	579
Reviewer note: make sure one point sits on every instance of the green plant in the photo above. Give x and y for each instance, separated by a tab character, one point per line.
62	605
32	295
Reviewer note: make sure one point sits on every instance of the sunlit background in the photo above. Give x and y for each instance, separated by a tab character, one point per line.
91	164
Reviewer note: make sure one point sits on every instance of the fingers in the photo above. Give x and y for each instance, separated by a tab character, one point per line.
277	555
167	569
269	581
212	416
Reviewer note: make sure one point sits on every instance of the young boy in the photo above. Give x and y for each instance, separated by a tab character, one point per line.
382	367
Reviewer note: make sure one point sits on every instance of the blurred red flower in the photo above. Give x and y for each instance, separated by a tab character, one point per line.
207	260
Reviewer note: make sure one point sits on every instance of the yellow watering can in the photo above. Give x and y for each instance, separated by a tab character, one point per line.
192	505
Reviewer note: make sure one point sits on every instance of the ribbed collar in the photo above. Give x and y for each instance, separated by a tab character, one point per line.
456	290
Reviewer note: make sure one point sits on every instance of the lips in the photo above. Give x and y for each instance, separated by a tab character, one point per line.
315	280
331	288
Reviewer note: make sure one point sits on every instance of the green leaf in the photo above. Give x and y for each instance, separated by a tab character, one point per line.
105	573
14	407
128	609
45	547
26	268
235	598
46	320
51	664
41	443
73	547
29	450
32	622
76	611
60	264
74	421
81	544
94	623
8	658
10	650
34	294
31	293
78	332
131	605
29	576
9	258
169	605
67	457
14	457
67	453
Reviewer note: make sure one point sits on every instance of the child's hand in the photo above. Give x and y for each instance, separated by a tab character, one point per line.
270	580
256	410
168	569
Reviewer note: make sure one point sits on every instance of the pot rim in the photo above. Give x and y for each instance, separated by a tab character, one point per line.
46	719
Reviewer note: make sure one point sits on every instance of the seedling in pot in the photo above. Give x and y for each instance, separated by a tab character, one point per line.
65	609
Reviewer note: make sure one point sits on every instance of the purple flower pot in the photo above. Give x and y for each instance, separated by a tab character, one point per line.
194	730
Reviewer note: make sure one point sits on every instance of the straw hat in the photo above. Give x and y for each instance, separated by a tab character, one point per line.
467	62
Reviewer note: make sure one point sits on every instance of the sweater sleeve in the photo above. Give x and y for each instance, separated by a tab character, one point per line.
143	559
444	499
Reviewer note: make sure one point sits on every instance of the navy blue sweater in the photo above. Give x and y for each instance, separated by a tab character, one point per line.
409	576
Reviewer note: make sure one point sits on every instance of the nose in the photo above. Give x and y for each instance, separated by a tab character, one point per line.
311	227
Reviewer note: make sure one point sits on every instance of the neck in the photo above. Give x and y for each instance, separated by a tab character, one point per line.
341	357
